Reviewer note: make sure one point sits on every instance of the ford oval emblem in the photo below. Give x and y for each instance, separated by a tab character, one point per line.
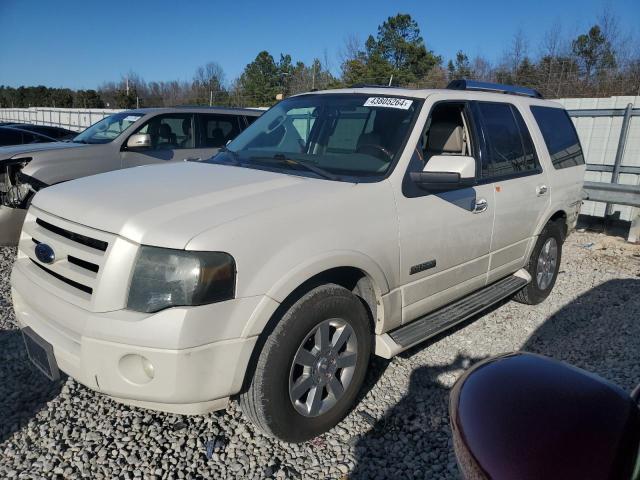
45	253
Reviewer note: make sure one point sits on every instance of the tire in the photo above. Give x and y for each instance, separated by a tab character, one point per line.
267	400
543	272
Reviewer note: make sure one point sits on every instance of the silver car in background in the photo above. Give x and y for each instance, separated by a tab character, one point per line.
125	139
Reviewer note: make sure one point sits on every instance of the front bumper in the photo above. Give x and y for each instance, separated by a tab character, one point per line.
187	378
11	220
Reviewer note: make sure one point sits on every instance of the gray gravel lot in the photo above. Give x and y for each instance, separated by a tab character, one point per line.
399	429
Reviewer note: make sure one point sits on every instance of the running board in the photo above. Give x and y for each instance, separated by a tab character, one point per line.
449	315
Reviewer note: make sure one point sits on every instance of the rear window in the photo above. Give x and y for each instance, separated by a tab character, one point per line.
560	136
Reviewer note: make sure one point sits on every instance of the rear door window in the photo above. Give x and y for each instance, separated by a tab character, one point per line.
510	149
217	130
559	135
170	132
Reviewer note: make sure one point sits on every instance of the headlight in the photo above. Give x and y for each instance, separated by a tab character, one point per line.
165	278
16	189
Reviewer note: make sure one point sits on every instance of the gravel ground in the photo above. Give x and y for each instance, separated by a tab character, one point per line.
399	429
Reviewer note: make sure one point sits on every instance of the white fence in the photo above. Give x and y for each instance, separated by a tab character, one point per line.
609	130
72	118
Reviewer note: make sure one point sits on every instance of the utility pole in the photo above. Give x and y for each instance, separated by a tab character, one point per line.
210	97
127	83
390	80
313	78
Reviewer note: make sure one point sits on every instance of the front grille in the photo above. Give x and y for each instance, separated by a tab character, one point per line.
83	263
79	256
76	237
77	261
77	285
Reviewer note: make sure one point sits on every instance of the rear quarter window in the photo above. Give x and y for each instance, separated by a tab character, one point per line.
559	135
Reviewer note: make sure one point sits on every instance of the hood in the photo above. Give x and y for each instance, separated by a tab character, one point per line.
51	166
24	150
168	205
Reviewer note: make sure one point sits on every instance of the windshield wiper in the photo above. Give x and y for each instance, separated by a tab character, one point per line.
280	158
234	156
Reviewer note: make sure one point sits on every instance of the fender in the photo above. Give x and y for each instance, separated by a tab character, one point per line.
306	270
551	211
547	216
333	259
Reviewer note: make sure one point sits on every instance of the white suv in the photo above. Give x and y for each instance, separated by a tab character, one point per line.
340	224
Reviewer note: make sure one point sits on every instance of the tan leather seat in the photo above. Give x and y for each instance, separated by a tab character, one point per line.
444	138
167	137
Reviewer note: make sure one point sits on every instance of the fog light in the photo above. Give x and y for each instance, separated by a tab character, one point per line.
136	369
147	366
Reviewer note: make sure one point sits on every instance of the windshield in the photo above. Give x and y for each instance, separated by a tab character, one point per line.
108	129
335	136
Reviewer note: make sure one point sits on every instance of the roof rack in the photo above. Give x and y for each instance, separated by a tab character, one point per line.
371	85
493	87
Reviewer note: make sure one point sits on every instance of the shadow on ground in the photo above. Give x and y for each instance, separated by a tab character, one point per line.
598	331
23	389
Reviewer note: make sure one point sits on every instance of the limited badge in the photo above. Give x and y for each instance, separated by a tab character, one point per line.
388	102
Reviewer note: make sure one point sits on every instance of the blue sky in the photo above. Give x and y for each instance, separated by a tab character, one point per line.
81	43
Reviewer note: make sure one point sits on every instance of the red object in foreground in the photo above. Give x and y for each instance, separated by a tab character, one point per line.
524	416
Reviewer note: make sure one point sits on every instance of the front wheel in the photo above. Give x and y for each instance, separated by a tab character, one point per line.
311	366
543	265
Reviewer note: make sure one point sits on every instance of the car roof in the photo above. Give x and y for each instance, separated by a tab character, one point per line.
31	126
453	94
15	128
192	109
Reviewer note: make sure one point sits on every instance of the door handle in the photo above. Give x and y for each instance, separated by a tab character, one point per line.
541	190
481	205
191	159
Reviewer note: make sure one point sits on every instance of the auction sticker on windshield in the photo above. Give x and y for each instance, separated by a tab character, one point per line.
131	118
388	102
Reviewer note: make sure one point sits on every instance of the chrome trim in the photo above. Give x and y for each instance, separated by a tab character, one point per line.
480	206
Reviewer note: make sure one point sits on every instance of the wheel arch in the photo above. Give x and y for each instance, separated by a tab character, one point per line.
354	271
558	216
356	279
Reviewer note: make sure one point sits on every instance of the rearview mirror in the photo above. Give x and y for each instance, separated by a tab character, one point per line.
446	172
523	415
139	140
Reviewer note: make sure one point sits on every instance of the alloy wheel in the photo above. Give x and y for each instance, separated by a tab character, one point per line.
323	367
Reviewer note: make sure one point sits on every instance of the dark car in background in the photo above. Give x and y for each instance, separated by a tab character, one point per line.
57	133
13	135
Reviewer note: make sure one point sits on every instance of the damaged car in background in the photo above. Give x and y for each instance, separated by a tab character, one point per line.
125	139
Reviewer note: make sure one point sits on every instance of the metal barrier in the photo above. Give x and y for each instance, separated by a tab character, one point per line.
615	193
617	168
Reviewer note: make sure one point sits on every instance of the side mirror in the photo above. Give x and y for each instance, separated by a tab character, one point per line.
446	172
523	415
139	140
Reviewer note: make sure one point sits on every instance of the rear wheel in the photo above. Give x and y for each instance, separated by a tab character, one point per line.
543	265
311	367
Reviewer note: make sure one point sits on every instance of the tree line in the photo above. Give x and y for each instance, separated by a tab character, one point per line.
600	62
